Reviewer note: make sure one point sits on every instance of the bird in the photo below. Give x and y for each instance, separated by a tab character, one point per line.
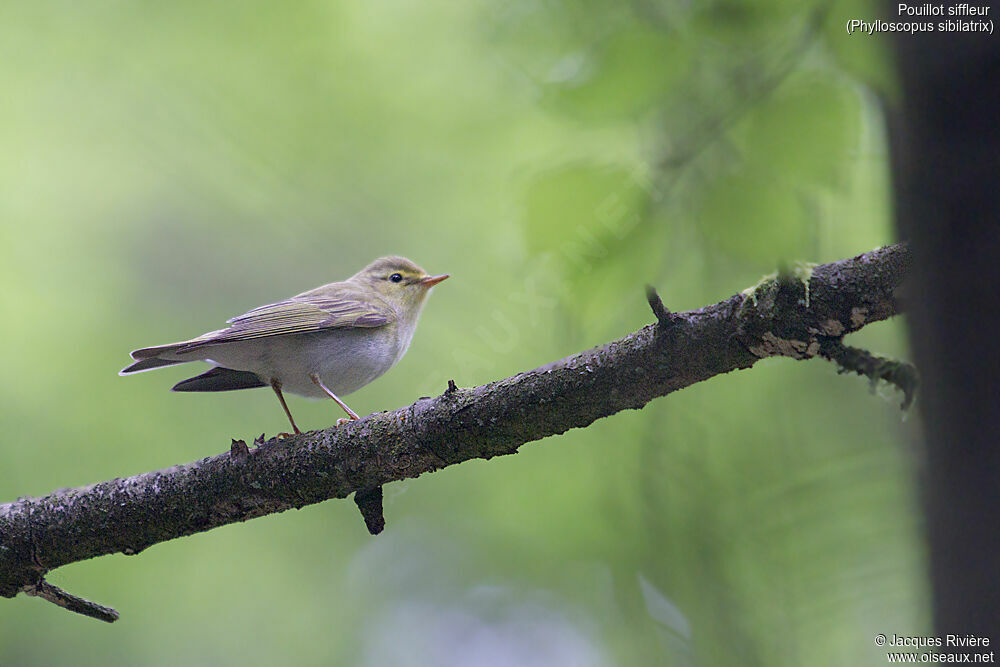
325	342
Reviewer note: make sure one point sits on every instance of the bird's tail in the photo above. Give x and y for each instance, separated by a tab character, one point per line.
147	365
149	358
220	379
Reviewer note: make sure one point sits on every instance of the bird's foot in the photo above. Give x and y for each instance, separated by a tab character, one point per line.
344	420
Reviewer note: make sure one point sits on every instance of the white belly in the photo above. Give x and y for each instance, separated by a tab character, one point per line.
344	359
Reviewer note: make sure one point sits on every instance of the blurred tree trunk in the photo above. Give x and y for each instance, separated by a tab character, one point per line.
946	162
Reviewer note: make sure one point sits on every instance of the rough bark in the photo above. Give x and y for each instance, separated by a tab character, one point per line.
797	315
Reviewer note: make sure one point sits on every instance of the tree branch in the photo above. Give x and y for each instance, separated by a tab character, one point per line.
788	315
901	374
56	595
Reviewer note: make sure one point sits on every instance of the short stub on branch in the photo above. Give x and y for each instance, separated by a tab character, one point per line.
369	501
56	595
663	315
239	451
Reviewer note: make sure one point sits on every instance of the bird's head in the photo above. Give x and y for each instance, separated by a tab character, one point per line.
398	280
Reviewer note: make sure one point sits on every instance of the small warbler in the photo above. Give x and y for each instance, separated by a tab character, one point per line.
328	341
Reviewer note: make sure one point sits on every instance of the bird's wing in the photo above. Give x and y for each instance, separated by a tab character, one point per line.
301	314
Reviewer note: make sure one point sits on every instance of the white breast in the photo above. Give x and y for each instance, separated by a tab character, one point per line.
345	359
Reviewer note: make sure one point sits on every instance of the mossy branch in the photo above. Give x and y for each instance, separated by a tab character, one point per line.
128	515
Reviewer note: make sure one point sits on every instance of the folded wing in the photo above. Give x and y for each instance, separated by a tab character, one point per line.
297	315
305	313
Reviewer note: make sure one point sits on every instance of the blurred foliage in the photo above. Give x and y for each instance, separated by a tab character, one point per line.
168	166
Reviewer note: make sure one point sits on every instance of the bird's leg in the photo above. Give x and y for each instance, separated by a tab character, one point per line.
319	383
276	386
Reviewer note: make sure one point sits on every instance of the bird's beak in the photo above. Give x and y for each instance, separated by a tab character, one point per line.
431	281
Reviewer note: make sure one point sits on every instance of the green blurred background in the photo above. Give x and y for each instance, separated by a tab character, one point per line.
167	166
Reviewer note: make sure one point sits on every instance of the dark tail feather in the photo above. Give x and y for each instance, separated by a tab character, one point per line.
220	379
148	352
147	365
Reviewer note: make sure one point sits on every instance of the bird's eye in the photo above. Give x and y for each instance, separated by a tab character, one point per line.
396	278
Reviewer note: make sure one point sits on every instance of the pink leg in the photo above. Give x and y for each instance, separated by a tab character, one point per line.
319	383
